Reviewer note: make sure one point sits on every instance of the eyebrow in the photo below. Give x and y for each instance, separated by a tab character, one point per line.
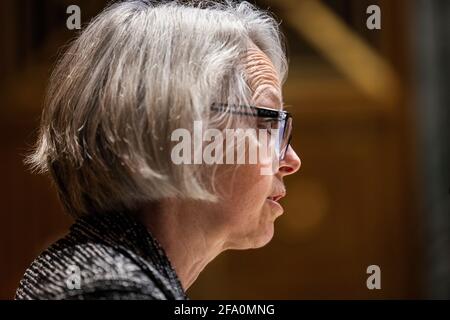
276	99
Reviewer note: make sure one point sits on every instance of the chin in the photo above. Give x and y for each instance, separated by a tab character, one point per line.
264	236
254	240
256	234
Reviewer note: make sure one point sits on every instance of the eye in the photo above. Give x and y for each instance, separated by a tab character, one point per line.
266	124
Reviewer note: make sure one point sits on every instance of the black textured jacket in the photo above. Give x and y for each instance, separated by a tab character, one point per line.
110	256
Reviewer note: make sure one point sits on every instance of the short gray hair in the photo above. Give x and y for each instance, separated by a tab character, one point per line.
138	71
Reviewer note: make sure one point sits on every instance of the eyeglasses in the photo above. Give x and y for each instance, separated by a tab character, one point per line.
283	120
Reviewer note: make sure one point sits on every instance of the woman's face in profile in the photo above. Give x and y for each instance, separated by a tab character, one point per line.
251	207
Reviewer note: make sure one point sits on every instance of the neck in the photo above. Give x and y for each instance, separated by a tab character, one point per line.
187	237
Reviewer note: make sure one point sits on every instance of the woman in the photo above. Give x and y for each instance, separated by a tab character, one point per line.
146	223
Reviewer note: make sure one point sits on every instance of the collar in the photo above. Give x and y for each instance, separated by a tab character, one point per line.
126	234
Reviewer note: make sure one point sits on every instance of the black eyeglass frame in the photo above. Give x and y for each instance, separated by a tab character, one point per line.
263	112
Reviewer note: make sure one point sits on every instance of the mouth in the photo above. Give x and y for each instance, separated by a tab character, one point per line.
277	197
272	201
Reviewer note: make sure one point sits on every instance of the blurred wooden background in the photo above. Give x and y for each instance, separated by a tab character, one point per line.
354	202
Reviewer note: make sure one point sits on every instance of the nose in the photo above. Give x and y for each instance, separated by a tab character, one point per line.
291	163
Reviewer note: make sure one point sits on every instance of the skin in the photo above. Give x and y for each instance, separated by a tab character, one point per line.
193	233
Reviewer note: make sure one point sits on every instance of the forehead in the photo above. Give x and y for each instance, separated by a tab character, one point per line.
262	78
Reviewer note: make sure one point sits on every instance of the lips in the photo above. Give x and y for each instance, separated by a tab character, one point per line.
272	201
277	196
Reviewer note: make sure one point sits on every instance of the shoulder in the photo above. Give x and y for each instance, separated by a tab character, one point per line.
124	289
88	271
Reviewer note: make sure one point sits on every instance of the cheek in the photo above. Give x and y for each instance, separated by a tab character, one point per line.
244	191
250	189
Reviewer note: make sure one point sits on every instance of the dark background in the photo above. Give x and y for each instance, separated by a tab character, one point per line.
371	118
